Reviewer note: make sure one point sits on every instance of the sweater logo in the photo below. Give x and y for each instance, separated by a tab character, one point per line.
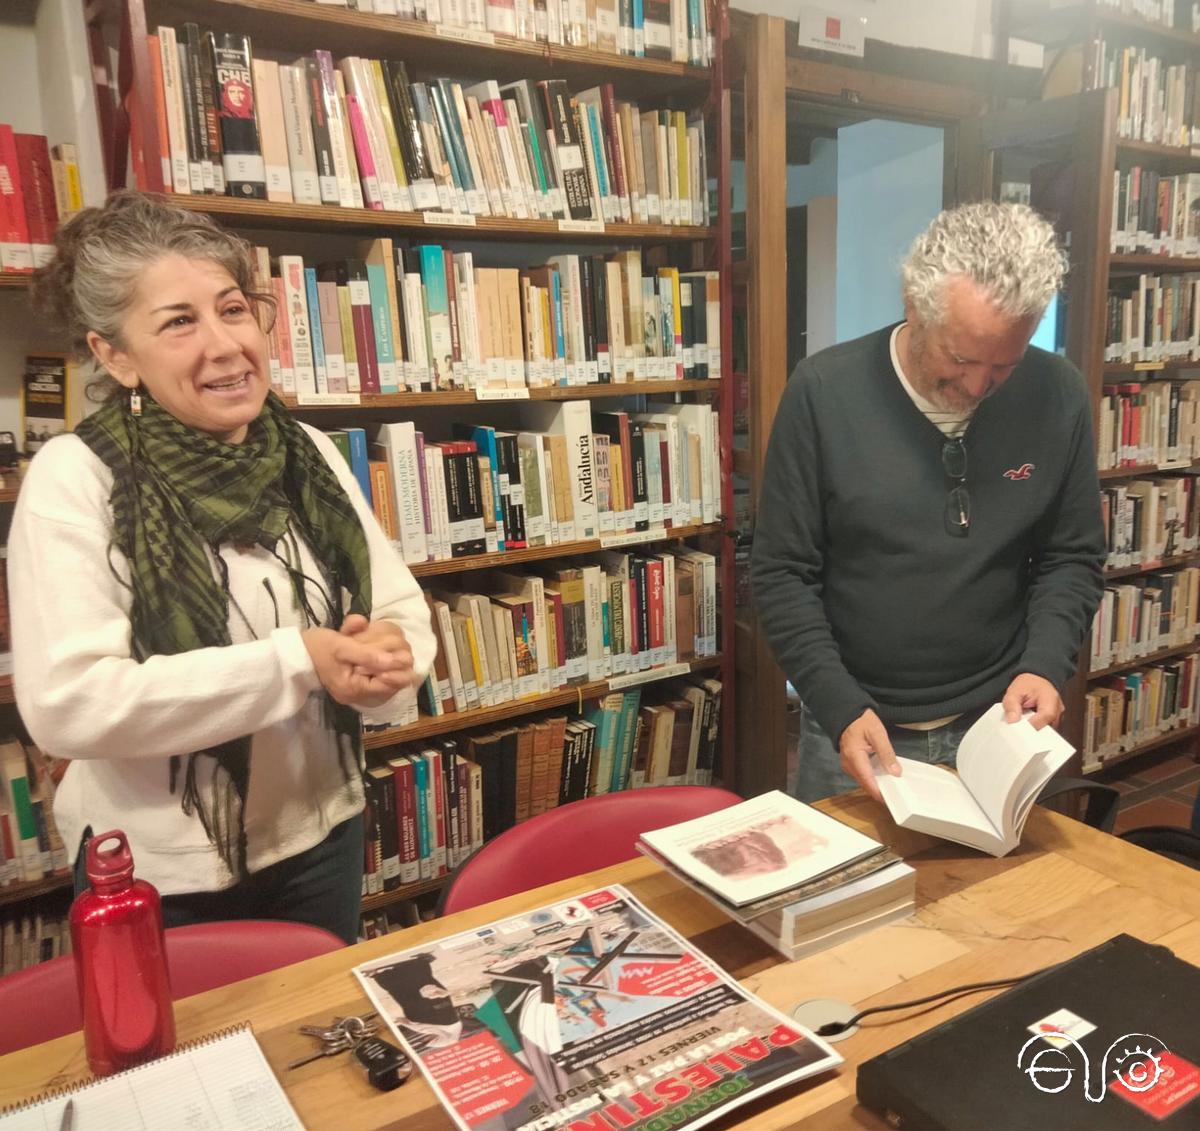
1022	472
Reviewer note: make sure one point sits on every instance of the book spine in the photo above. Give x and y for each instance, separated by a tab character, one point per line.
245	171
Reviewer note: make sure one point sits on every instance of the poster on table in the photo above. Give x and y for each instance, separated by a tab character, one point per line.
589	1014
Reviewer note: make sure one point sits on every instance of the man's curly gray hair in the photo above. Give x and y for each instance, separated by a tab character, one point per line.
1008	249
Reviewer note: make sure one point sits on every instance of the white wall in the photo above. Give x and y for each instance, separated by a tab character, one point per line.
889	188
962	27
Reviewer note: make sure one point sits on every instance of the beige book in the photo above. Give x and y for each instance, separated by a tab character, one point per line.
271	130
618	344
351	155
485	146
176	114
509	280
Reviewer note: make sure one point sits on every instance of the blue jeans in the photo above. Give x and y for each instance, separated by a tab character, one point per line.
821	773
321	886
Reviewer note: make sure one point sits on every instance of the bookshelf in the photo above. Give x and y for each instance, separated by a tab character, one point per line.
283	29
1082	140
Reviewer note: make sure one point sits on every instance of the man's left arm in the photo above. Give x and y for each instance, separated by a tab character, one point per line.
1067	582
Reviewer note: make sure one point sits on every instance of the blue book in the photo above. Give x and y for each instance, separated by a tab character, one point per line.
456	151
560	338
381	320
595	131
639	29
626	734
425	847
314	324
359	464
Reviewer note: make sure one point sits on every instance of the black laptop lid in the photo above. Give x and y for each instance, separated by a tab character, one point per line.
1124	1023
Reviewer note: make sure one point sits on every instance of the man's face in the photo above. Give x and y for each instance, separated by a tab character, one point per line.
970	354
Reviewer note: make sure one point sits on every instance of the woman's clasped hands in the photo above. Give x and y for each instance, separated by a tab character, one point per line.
364	663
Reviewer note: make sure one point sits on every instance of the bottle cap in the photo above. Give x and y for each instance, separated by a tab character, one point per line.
109	863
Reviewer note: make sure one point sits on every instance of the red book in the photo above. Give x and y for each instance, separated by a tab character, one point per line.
654	587
406	820
437	793
15	252
37	181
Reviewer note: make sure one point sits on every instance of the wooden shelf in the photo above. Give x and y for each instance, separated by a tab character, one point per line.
398	895
29	889
1110	473
427	727
1142	661
403	401
558	550
7	695
1148	370
1165	563
15	281
301	26
1172	736
347	221
1165	158
1064	25
1165	263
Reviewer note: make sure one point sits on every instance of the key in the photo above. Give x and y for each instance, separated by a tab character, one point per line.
387	1067
321	1033
330	1048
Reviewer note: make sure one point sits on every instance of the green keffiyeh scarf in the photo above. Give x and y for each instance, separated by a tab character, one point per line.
176	491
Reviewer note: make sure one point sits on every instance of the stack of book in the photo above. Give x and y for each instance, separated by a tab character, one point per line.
28	937
31	848
430	805
678	30
358	133
798	879
39	186
424	319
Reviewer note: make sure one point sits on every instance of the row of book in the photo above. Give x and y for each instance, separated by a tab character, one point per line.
1152	318
430	807
1144	615
1149	520
531	632
1148	423
1157	98
1133	708
30	845
425	318
1155	213
358	133
39	186
573	475
675	30
30	937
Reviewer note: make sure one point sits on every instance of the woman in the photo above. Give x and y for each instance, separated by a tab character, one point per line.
202	602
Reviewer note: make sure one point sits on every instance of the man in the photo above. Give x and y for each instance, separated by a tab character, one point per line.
929	539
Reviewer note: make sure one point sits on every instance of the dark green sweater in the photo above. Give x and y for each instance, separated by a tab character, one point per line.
866	599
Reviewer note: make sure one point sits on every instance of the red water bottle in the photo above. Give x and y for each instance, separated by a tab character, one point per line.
120	961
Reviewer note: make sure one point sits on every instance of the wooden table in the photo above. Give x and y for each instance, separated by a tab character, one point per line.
1065	889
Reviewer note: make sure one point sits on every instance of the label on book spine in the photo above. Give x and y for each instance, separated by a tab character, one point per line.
581	226
667	671
487	394
467	35
634	537
329	398
455	219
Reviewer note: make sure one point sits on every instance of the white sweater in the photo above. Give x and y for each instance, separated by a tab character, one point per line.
82	696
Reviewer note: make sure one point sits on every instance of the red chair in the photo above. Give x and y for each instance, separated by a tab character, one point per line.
40	1003
575	838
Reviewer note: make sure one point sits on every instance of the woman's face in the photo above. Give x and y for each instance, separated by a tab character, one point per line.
191	339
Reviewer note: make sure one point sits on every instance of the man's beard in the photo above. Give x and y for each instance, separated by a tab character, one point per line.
943	393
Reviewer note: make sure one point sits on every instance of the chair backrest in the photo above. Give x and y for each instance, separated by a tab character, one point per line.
575	838
42	1002
1174	843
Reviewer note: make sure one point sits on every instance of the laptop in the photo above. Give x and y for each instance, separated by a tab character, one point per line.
1109	1039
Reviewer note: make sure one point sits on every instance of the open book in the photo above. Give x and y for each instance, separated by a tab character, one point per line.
1001	769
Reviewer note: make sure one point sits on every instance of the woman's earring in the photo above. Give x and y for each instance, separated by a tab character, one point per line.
135	402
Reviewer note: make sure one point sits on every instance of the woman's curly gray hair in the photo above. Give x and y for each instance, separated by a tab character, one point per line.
1008	249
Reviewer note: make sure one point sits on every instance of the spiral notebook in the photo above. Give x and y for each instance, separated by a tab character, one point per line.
220	1082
